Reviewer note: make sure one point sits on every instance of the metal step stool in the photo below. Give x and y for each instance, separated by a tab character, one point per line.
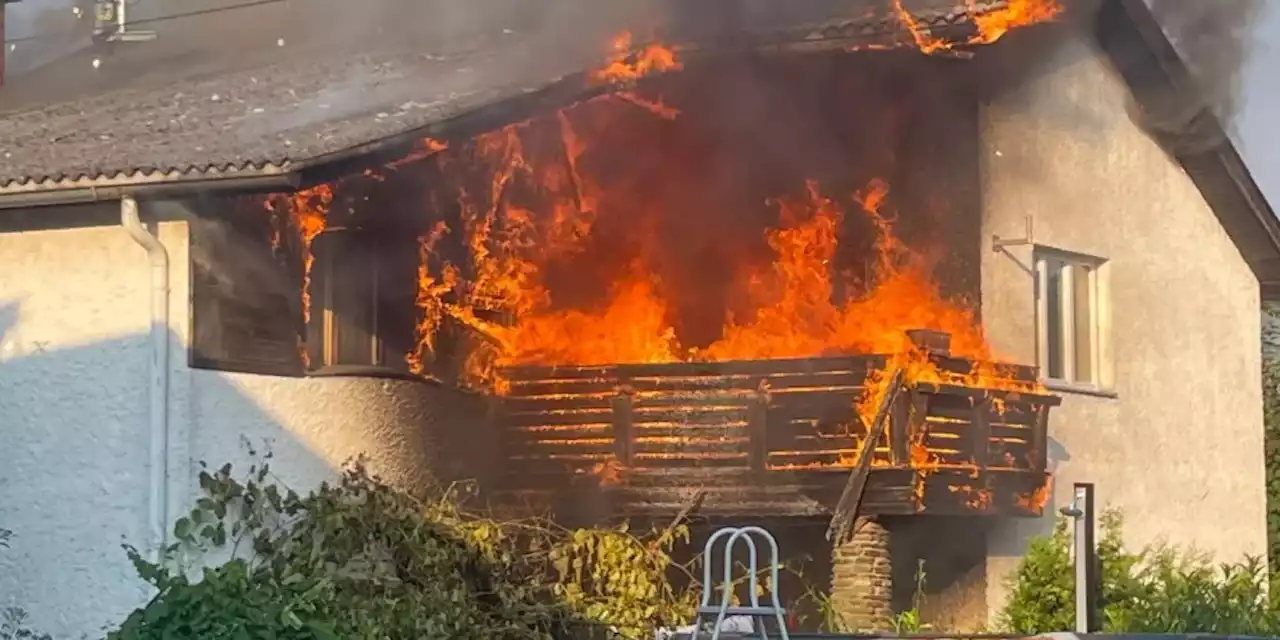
757	613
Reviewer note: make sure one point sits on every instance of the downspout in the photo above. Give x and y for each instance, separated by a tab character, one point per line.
158	391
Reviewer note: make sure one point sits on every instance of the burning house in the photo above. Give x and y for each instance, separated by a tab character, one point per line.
887	278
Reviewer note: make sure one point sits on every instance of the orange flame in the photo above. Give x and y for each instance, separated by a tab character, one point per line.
628	65
794	310
1014	14
1036	500
306	212
608	473
991	24
925	463
431	310
978	499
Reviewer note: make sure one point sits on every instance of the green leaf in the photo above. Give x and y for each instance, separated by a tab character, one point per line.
182	528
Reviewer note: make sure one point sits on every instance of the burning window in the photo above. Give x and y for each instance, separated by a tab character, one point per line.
1068	308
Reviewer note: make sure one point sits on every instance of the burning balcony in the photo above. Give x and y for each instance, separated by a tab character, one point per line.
775	437
696	287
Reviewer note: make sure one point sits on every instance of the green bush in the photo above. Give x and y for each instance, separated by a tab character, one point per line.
13	620
361	560
1159	590
1271	409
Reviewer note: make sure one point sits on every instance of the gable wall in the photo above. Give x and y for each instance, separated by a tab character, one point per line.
1179	449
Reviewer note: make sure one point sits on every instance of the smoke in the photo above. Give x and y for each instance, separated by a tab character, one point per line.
37	33
1215	40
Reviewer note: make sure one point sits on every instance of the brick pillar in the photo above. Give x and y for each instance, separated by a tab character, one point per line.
862	578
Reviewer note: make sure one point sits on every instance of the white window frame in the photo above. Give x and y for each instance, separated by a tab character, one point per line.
1098	379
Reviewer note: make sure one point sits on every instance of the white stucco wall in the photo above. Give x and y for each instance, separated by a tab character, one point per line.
1179	449
74	429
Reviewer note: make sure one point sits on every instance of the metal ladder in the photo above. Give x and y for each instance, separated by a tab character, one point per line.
758	614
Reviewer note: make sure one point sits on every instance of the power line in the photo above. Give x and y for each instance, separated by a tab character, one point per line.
151	20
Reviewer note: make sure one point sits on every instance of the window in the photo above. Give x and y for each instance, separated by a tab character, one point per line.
245	313
362	300
247	308
1068	312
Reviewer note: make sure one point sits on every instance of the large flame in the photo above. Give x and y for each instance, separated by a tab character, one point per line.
495	269
794	309
628	64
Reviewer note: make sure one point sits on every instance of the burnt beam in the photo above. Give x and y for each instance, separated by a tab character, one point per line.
850	499
758	431
623	405
937	342
980	430
1040	440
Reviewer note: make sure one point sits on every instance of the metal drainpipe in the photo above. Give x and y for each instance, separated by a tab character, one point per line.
159	371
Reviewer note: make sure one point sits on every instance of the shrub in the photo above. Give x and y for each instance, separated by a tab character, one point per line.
1159	590
1271	421
13	626
13	619
361	560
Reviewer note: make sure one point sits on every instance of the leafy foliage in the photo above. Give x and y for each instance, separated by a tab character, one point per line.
910	621
13	619
13	626
1271	422
361	560
1159	590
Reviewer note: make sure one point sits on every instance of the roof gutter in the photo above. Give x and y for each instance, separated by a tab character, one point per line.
81	195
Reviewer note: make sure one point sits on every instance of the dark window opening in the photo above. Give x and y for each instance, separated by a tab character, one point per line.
248	304
362	292
245	307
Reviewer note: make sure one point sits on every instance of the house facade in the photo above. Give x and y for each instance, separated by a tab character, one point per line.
1129	273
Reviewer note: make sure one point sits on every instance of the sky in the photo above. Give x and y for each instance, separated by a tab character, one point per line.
1258	125
1256	128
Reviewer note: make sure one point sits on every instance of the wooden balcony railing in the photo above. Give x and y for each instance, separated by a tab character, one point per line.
770	437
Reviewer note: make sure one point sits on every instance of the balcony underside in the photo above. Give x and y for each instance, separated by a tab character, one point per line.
731	492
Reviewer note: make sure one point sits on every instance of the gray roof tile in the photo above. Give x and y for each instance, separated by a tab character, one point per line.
282	111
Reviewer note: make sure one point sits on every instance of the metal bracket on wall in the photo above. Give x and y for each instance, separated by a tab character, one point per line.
999	244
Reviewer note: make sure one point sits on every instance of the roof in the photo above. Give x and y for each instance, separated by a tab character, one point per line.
278	111
257	120
171	116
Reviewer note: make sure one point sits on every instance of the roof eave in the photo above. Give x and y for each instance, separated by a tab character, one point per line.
266	177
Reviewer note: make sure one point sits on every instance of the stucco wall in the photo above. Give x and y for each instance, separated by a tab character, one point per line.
1179	448
73	423
74	429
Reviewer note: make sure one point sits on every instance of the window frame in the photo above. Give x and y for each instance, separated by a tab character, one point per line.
334	250
222	328
1098	381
